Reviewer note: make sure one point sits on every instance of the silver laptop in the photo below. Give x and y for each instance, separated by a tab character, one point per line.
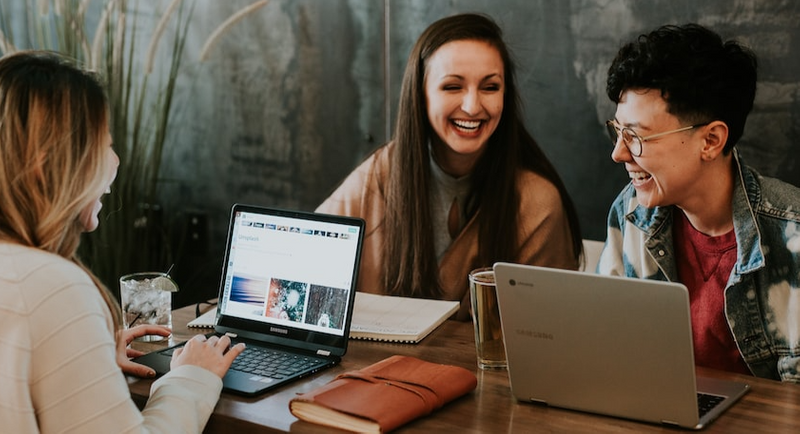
609	345
288	291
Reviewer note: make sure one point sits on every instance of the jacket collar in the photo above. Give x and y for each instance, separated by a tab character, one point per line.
746	197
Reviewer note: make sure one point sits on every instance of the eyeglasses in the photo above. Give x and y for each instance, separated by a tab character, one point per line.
633	141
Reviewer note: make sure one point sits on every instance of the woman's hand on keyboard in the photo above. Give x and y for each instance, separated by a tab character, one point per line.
214	354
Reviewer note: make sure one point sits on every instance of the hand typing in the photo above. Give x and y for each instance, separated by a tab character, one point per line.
214	354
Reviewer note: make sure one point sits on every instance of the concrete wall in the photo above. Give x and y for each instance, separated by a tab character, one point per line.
294	96
297	94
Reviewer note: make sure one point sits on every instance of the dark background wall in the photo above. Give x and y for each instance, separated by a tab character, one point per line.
298	93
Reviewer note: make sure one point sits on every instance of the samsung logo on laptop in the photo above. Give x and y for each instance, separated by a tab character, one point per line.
513	282
534	334
277	330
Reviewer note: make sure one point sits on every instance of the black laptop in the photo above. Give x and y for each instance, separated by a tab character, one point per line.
287	292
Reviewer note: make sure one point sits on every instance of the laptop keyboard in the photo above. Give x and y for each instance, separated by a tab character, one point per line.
267	362
271	363
706	402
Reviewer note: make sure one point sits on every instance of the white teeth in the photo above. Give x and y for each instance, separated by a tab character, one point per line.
638	175
467	125
108	190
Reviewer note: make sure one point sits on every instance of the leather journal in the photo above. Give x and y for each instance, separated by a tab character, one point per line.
384	395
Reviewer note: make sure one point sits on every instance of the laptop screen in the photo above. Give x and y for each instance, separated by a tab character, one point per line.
290	274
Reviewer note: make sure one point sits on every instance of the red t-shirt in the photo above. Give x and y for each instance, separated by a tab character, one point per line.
704	265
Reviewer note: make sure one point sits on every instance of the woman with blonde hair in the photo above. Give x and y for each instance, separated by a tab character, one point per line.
63	350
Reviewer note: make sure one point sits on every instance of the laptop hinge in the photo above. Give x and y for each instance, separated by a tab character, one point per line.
323	353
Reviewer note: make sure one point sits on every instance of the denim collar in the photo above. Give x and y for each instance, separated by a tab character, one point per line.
746	197
655	222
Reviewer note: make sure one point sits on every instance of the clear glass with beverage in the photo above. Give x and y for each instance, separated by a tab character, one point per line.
486	319
146	298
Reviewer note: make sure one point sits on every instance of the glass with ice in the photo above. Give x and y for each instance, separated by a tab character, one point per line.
146	298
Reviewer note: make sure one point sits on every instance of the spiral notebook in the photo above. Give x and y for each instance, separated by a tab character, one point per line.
205	321
380	318
398	319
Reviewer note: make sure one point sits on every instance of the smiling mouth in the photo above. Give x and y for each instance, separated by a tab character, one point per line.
639	177
467	126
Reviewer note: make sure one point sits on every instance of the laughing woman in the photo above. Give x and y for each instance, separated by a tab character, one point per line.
63	350
462	184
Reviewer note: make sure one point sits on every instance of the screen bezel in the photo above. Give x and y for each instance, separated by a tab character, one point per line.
309	340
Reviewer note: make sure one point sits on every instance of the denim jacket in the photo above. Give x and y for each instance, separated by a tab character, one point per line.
762	296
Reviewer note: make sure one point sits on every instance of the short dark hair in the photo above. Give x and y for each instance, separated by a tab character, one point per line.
701	77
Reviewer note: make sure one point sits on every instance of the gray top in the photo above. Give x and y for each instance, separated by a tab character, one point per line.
444	189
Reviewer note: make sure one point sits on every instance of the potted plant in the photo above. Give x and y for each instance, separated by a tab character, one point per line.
134	233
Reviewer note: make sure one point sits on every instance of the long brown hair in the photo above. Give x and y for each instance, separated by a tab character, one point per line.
53	117
411	263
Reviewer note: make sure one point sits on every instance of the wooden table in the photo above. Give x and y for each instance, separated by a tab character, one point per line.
770	406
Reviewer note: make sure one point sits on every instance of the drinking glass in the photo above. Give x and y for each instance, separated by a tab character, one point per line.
486	319
146	298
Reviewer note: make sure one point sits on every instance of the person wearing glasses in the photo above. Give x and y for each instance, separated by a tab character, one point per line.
693	212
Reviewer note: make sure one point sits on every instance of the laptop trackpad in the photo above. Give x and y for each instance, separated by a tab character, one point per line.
242	382
156	360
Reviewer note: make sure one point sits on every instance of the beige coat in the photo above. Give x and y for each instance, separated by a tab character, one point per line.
544	234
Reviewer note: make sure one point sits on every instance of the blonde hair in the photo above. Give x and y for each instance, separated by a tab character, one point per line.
53	119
